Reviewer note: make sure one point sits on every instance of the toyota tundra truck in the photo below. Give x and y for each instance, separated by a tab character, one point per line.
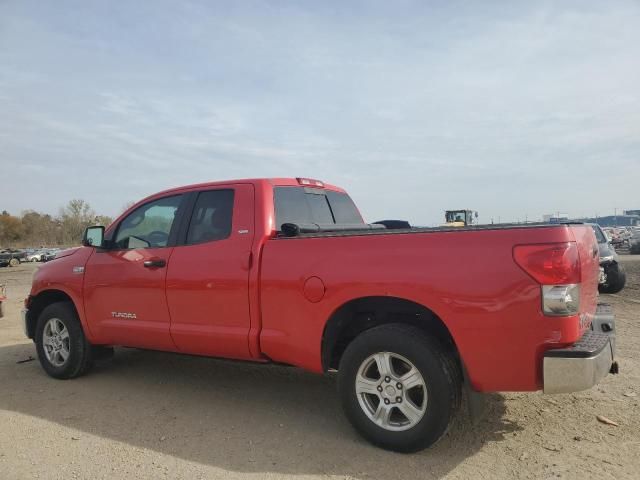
287	271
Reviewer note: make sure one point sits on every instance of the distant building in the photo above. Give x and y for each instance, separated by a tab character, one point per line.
616	220
555	218
632	212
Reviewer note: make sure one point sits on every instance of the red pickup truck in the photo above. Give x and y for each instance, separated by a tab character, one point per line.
286	270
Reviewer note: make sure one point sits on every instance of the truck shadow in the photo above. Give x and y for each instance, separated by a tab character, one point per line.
239	417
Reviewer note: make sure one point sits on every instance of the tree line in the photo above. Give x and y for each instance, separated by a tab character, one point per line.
34	229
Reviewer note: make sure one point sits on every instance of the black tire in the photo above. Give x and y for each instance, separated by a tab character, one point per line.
79	360
616	279
438	368
14	262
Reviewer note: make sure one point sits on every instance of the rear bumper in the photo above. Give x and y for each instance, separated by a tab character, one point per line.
585	363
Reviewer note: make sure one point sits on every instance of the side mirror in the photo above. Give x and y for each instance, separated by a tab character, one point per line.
93	237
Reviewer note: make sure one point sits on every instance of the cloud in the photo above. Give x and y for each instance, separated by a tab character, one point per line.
414	107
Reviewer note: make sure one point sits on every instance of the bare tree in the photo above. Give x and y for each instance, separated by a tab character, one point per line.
41	229
75	217
35	229
11	229
103	220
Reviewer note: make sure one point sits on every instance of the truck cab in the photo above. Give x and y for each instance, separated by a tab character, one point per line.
460	218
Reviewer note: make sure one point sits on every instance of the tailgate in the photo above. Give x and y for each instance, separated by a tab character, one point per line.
590	268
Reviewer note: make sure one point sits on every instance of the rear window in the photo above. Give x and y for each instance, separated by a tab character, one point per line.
303	205
343	208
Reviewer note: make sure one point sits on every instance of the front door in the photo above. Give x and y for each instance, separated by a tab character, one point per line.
208	276
124	285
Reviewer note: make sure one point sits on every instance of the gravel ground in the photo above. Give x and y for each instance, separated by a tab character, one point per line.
156	415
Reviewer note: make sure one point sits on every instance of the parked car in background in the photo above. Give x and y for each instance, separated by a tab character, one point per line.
12	258
613	276
618	236
634	241
49	255
35	256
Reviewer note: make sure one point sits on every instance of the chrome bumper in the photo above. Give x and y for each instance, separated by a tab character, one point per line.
585	363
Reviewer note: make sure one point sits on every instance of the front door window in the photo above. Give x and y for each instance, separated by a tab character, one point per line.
148	226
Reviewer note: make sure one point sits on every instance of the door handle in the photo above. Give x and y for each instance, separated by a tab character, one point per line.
155	263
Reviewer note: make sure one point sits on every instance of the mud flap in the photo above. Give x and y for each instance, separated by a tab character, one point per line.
476	401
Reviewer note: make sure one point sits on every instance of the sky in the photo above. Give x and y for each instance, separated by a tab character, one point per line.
513	109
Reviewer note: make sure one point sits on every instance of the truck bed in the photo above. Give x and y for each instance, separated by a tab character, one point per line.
466	276
327	231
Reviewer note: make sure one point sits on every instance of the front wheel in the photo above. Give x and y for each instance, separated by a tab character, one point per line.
616	279
399	388
14	262
62	347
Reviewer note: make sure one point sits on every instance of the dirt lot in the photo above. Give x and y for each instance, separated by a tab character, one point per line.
155	415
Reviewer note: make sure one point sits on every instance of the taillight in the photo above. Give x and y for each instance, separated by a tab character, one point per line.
549	263
556	267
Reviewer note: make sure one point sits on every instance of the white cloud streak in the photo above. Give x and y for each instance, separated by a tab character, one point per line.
414	107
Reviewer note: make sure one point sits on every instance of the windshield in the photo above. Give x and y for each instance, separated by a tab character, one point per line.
599	235
456	216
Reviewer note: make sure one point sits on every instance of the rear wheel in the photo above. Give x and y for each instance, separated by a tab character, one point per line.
616	279
399	387
62	347
14	262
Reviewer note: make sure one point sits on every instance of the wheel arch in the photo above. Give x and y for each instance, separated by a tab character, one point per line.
360	314
41	301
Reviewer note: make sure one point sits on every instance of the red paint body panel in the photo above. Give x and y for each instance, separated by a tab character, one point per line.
59	275
117	281
590	270
468	278
245	297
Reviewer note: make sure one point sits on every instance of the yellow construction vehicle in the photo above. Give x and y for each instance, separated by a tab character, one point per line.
460	218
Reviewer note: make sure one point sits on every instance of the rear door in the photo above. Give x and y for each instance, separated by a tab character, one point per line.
208	277
124	286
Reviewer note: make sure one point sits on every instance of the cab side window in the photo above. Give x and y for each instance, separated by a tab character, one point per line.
212	217
150	225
